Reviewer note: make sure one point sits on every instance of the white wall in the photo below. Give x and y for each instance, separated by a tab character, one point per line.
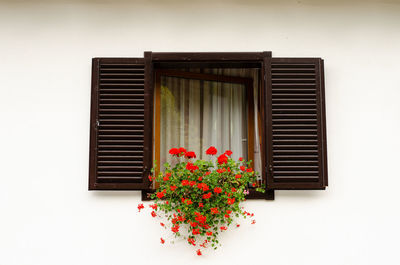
47	216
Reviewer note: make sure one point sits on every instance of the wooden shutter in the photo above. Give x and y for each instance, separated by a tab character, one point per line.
296	134
121	124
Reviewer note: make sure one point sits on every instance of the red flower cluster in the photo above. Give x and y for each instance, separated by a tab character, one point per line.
191	167
211	151
228	152
160	194
140	206
203	186
191	241
190	155
177	151
207	195
222	159
175	228
200	218
214	210
217	190
203	196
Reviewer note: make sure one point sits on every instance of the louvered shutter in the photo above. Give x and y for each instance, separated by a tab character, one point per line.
121	124
296	134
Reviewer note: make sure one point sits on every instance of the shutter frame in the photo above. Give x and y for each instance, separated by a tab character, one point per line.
132	180
295	171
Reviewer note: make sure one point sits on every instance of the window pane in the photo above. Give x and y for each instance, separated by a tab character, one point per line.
198	114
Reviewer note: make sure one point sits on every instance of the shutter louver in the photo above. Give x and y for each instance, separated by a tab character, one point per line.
118	124
296	147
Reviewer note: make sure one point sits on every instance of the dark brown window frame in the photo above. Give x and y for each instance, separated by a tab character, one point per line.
271	82
247	82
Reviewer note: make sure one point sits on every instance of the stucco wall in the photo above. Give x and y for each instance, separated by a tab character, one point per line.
47	216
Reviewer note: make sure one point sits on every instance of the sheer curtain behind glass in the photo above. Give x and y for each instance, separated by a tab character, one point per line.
197	114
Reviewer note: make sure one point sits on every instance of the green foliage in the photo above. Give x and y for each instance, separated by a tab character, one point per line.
201	198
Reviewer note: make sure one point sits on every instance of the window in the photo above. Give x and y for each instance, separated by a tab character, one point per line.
270	109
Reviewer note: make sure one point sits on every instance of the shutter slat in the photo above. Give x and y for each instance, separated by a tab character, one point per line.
295	152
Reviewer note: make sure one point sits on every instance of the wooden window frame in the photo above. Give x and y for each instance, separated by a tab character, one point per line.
247	82
166	61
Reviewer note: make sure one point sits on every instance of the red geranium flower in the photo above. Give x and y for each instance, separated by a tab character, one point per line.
208	173
162	241
238	176
140	206
214	210
253	222
191	241
185	182
153	206
228	152
203	186
207	196
242	168
217	190
198	252
196	231
191	167
223	228
174	151
221	170
201	204
153	213
193	224
231	201
162	224
237	225
150	177
181	151
211	151
240	158
249	170
209	233
160	194
173	187
190	154
222	159
192	183
175	229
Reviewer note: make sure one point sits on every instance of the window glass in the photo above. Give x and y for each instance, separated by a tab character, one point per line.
197	114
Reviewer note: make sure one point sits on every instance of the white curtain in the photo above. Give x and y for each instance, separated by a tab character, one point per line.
198	114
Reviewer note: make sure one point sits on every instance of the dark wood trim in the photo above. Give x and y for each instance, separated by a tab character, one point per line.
207	56
268	122
323	125
93	124
149	115
250	121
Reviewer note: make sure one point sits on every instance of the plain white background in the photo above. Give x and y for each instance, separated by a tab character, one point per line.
47	216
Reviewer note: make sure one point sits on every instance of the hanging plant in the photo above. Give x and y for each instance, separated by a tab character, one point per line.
200	199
